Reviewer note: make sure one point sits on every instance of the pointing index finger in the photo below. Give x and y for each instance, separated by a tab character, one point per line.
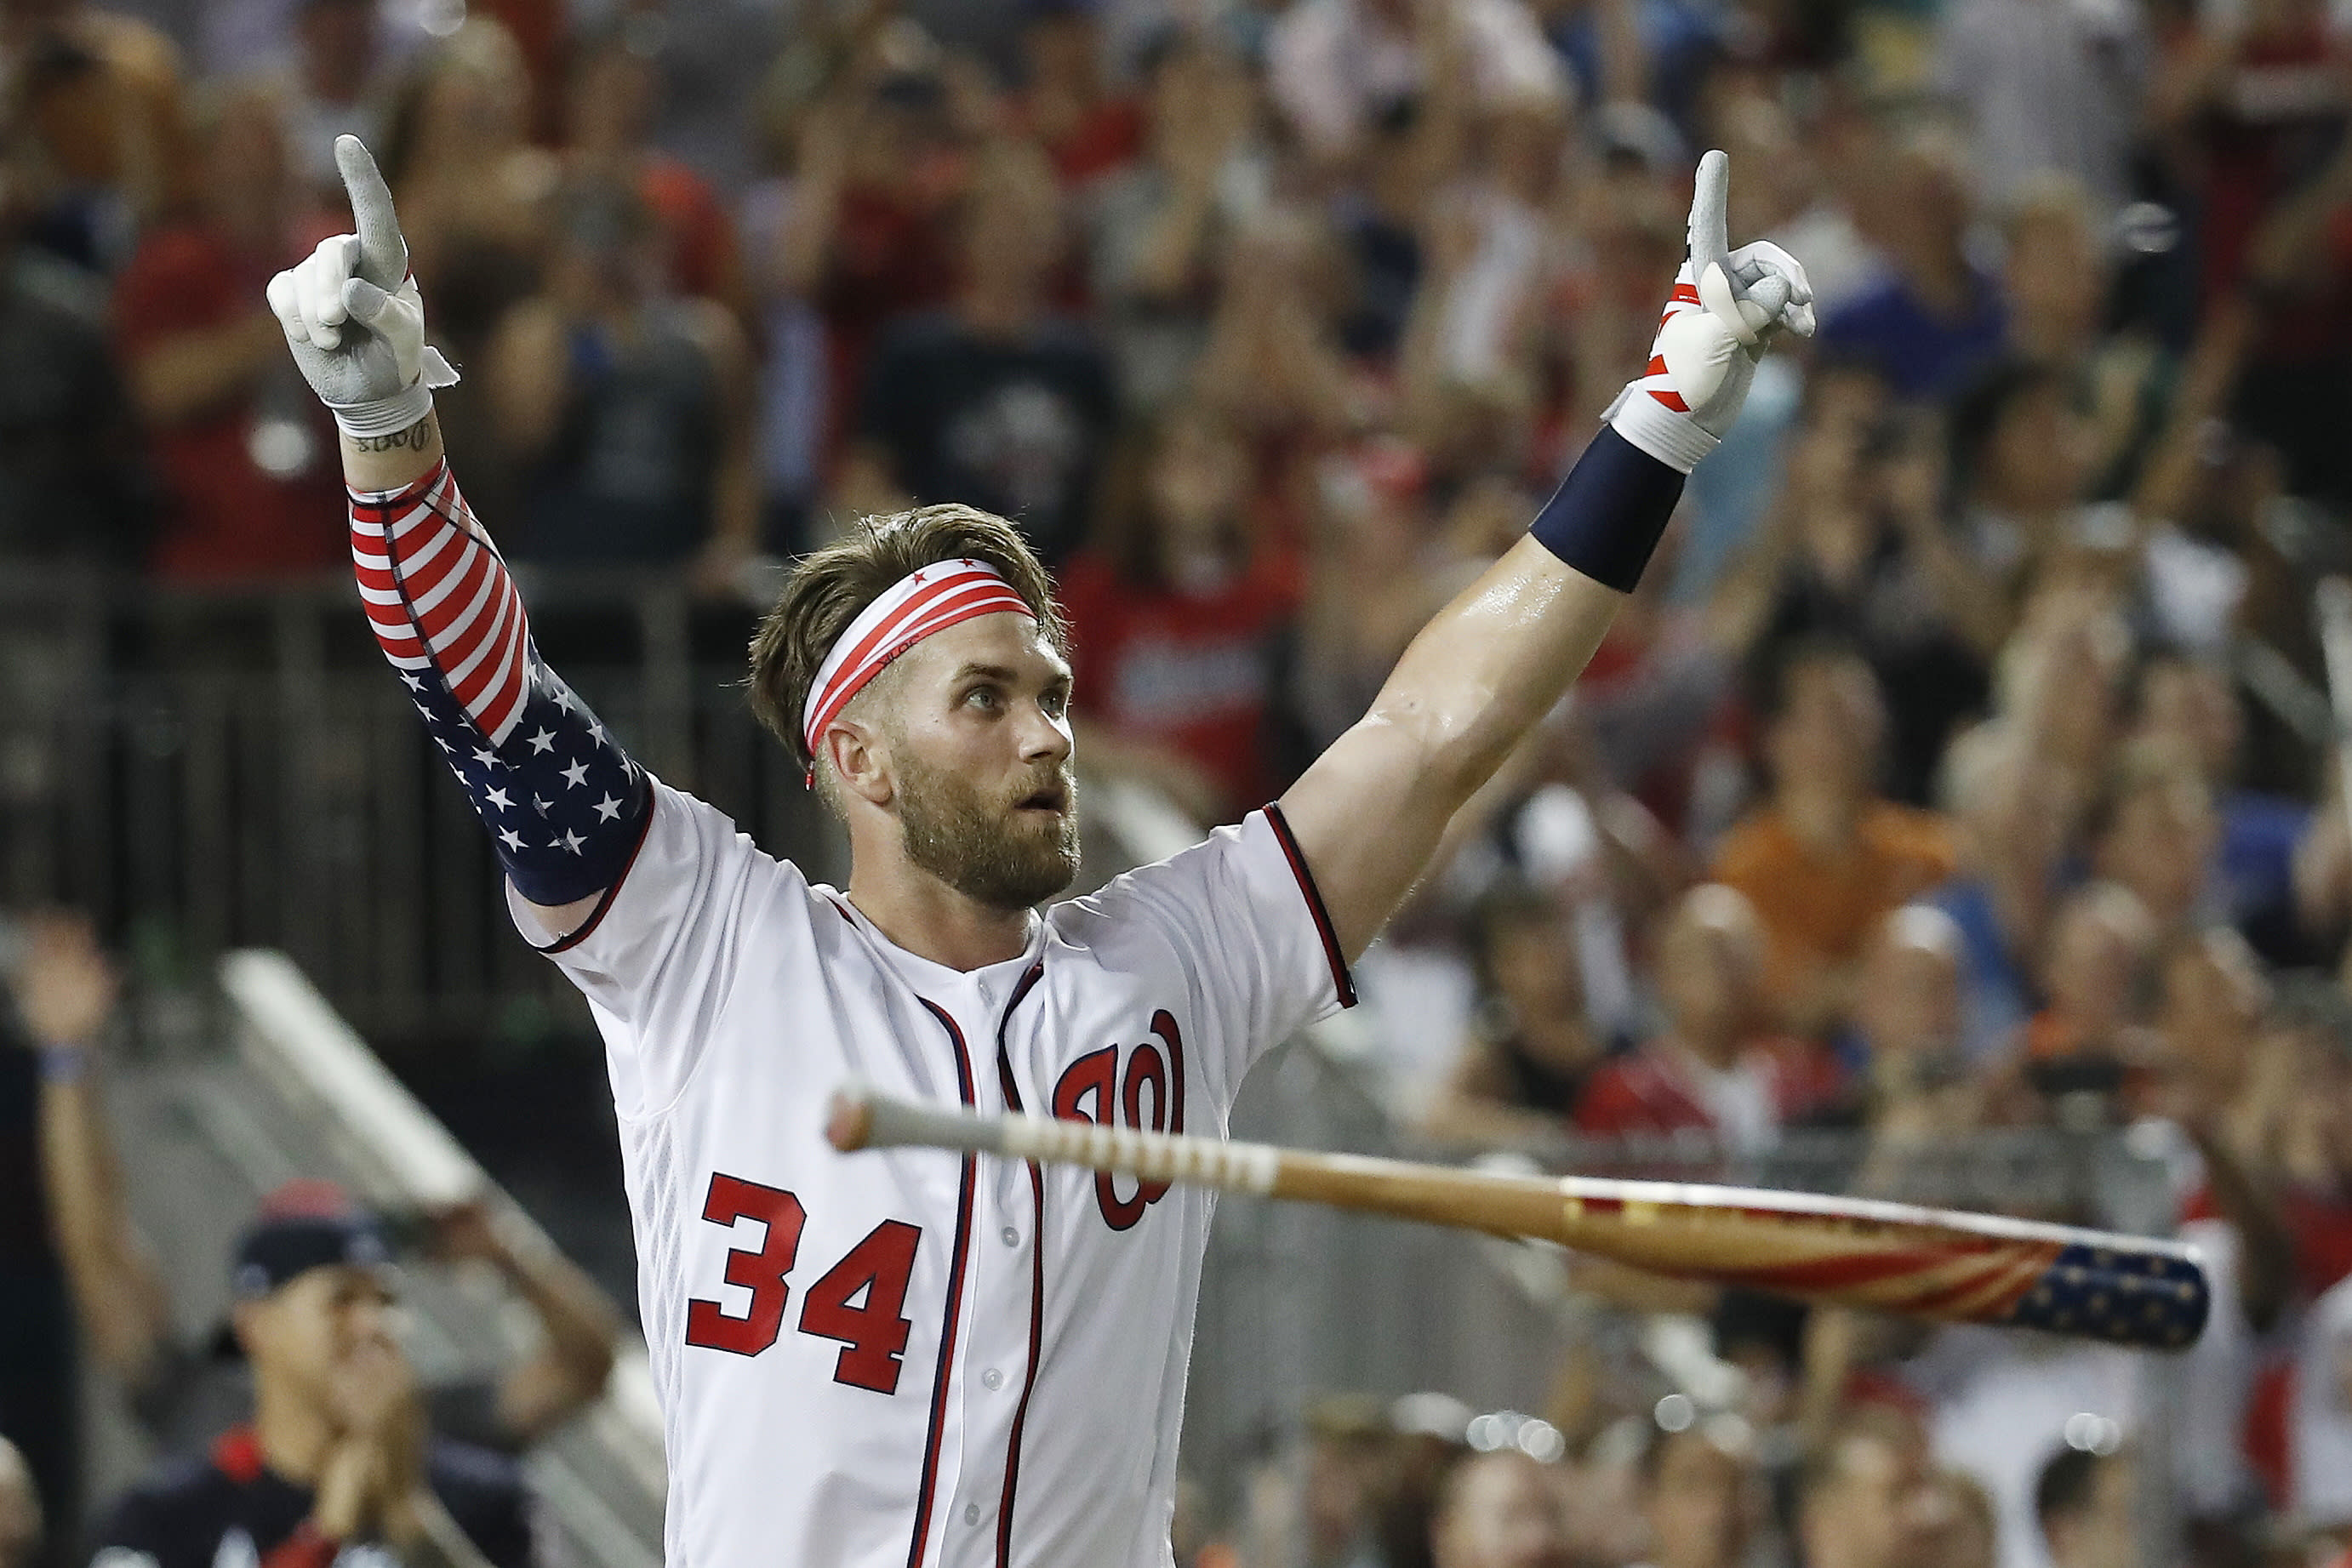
1710	234
383	254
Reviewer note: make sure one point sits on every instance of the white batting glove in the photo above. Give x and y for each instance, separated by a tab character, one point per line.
354	317
1726	306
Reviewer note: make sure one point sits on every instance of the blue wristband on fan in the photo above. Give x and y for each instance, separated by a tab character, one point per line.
1606	517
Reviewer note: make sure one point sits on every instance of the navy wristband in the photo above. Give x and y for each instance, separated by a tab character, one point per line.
1607	514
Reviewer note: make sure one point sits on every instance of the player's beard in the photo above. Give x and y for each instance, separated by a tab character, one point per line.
990	851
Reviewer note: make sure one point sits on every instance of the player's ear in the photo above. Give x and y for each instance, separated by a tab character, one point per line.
859	760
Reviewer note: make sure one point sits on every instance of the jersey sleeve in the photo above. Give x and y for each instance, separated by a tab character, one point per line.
658	956
1251	934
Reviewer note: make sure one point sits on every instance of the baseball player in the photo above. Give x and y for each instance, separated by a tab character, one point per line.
920	1358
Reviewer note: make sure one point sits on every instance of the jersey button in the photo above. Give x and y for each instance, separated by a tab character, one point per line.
992	1378
972	1513
1012	1237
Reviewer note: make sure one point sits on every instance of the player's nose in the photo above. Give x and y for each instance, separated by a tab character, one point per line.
1044	737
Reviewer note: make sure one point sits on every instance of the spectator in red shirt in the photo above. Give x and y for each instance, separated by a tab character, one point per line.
611	99
1175	617
873	234
1085	128
244	452
1712	1071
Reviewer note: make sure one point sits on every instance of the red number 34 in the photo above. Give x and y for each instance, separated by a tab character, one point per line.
872	1333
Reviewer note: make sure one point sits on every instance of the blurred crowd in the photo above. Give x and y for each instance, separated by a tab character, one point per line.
1963	765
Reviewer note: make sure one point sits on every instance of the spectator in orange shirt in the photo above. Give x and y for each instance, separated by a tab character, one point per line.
1713	1070
1826	858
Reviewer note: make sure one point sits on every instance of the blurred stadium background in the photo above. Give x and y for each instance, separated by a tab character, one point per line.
1952	815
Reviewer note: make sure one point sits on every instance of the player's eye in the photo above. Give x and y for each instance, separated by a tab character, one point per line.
988	699
1055	701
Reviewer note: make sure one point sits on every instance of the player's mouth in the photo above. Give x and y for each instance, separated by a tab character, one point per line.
1054	799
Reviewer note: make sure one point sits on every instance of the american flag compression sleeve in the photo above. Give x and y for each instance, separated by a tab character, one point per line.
566	807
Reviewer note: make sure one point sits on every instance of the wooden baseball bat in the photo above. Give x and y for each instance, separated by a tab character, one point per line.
1857	1252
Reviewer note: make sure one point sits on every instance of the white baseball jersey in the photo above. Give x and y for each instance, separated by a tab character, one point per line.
911	1358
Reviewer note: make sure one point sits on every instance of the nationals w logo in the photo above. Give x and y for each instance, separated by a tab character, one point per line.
1149	1082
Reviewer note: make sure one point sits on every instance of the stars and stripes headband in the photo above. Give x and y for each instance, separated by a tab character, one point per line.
923	602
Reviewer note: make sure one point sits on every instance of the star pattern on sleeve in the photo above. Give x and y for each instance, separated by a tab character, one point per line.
559	758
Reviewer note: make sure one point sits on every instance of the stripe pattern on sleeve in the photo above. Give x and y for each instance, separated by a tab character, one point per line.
439	598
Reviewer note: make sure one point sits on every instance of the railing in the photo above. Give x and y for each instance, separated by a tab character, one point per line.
219	769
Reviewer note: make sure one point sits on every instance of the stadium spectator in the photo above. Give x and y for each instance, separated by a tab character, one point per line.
1522	1072
995	402
1087	128
1855	551
64	991
244	457
2089	1036
2154	831
1933	317
1912	1075
2045	89
1826	856
96	99
1156	227
2013	832
473	190
2083	1501
2058	271
21	1524
1500	1510
1713	1069
1334	66
1272	363
338	1450
1865	1498
74	1276
610	101
881	164
1700	1495
2189	708
69	481
1967	1528
624	408
2212	999
1177	622
339	85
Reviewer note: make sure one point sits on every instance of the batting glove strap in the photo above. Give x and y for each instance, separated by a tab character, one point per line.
1672	437
566	807
389	416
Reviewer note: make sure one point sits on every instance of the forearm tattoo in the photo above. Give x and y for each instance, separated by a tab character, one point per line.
416	438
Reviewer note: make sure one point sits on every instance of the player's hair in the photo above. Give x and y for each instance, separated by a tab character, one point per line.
829	586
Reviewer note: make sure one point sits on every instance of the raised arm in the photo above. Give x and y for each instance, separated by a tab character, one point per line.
566	807
65	993
1371	810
